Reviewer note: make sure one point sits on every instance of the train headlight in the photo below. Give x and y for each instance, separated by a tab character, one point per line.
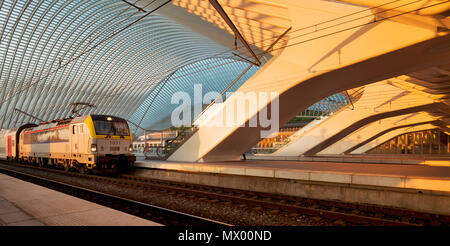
130	148
93	148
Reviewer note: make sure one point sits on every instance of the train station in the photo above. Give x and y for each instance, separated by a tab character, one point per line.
224	113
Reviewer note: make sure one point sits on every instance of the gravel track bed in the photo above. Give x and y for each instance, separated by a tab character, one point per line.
227	212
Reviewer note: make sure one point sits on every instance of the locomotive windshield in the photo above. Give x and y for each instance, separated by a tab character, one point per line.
107	125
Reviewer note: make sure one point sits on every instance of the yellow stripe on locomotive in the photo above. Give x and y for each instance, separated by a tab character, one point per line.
109	121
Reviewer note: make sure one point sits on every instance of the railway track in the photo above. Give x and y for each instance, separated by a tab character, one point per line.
341	213
154	213
293	205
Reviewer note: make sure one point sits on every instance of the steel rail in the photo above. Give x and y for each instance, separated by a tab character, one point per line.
259	199
354	218
170	217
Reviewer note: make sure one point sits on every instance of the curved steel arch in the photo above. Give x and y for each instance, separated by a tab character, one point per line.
81	44
46	57
90	61
4	110
53	53
158	103
59	50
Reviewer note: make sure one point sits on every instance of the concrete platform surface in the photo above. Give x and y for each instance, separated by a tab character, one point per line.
439	160
433	178
23	203
11	215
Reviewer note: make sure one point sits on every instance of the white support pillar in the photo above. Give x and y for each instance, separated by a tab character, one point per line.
314	66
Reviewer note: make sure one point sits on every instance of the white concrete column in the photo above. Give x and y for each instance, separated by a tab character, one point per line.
373	129
377	98
385	137
314	65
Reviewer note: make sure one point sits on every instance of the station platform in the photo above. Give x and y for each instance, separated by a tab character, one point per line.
376	159
389	175
27	204
418	187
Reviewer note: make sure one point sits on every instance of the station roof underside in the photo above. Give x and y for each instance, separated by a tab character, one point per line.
106	53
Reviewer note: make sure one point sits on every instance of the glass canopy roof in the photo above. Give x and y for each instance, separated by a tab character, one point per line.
54	53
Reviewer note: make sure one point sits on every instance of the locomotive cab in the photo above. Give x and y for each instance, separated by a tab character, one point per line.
110	143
